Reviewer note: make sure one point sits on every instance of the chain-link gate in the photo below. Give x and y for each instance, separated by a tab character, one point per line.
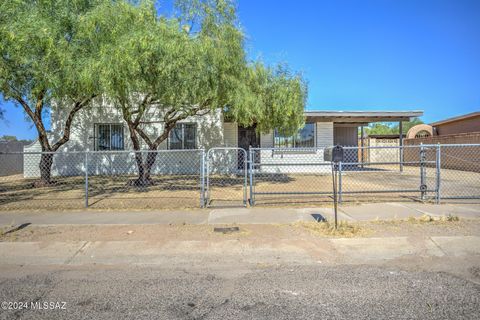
226	177
390	172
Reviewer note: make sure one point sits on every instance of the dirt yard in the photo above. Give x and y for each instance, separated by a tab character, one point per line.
184	191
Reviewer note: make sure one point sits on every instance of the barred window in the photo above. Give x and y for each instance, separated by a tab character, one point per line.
109	136
183	136
305	138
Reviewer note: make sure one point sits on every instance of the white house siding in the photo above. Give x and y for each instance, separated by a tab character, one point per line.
230	133
266	140
212	131
209	134
275	161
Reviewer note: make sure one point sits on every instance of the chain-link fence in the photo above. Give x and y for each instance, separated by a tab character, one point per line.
162	179
367	174
459	177
168	179
285	176
47	181
226	180
104	179
384	176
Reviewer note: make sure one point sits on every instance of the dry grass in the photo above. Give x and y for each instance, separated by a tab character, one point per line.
344	229
425	218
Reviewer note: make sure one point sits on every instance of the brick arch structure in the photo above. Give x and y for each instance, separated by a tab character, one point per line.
412	133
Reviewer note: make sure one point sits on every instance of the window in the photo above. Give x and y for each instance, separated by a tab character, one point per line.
109	136
305	138
183	136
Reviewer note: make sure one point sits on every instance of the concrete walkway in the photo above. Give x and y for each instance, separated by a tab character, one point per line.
255	215
343	250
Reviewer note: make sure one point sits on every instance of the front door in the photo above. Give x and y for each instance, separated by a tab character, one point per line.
247	137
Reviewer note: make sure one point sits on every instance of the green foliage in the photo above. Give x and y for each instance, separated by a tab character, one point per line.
391	128
191	64
12	138
42	51
68	51
273	98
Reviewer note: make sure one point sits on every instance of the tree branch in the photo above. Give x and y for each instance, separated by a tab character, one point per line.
66	130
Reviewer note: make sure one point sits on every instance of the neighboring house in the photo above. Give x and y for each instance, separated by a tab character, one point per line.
11	163
460	129
103	129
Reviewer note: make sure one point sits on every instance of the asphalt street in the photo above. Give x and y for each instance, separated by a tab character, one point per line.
236	292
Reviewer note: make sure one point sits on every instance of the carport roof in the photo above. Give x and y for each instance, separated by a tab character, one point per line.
361	116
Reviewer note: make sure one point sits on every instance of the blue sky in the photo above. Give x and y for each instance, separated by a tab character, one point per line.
363	55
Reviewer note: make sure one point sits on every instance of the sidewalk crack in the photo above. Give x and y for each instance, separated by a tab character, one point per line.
439	248
69	260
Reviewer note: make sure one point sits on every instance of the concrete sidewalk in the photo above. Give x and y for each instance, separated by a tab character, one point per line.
340	250
255	215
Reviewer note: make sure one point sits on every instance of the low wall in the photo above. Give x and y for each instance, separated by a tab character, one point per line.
291	161
12	163
465	158
100	163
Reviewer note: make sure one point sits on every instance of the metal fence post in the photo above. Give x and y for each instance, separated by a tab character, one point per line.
401	157
340	182
422	171
245	172
202	179
250	168
86	179
439	167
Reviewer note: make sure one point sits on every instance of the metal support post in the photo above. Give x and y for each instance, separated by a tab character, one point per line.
334	182
340	182
400	143
251	168
207	192
202	179
86	179
245	168
423	185
362	146
438	164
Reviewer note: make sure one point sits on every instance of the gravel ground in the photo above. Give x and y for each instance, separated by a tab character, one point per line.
281	292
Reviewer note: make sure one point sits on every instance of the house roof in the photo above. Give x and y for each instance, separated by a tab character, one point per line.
361	117
462	117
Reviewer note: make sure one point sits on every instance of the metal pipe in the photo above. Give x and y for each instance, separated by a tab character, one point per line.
202	178
86	179
252	161
340	183
361	145
400	141
245	164
439	167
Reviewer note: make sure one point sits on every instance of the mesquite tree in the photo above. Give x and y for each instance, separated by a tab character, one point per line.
46	62
172	68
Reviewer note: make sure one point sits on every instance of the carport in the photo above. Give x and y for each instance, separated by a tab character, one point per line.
347	123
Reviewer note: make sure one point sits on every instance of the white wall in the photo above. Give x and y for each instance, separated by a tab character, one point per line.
272	159
210	133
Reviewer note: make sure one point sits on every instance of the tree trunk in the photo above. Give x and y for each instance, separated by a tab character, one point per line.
46	162
144	168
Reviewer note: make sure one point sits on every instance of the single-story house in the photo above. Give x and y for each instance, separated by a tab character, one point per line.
103	129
